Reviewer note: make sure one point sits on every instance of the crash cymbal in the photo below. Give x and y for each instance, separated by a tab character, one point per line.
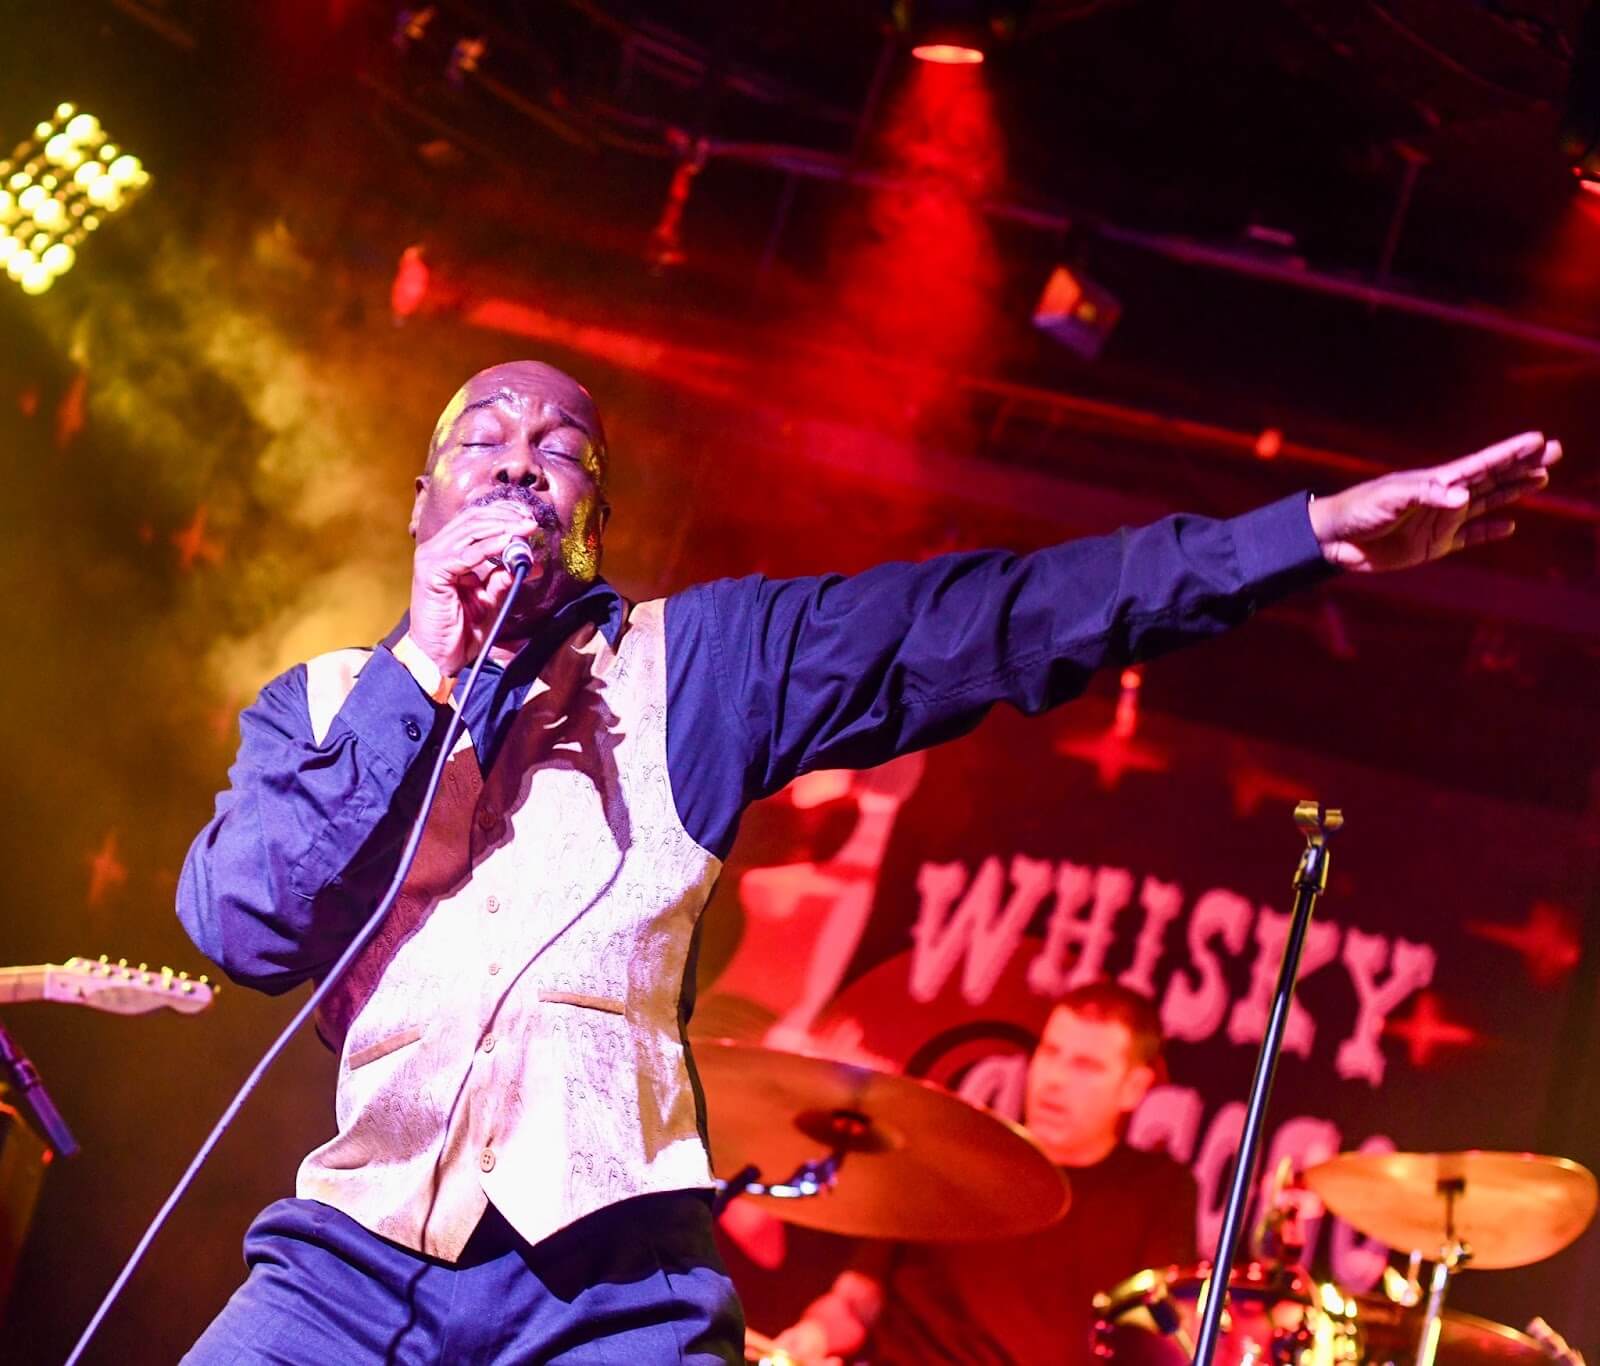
1510	1209
920	1164
1391	1333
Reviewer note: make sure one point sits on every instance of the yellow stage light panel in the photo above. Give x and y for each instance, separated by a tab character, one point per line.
71	180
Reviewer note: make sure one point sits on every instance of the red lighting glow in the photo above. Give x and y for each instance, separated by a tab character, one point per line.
947	54
913	267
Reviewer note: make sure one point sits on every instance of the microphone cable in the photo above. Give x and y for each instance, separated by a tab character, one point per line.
519	564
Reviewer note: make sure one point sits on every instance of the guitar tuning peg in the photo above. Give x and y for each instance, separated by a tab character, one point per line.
144	967
122	962
186	988
183	977
204	980
104	958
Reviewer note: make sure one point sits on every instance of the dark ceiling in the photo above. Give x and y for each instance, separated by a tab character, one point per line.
1179	115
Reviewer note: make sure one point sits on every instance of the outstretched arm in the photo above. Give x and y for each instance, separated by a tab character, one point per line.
769	679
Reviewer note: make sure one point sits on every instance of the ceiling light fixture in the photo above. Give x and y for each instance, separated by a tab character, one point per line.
954	32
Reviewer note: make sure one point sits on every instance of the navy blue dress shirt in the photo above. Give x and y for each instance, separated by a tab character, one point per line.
767	679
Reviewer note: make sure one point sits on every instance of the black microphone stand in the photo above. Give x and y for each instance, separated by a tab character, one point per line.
18	1070
1310	880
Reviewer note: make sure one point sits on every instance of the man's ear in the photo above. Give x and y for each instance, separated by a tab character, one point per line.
1135	1087
416	504
605	517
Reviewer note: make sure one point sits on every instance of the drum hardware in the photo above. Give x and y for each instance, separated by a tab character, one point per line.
1489	1210
1390	1333
842	1129
1275	1315
1404	1288
1453	1255
1280	1233
810	1178
1318	825
1553	1344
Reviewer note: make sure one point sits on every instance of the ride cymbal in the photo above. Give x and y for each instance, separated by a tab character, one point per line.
1509	1209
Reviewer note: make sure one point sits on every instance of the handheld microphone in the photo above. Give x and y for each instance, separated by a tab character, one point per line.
518	554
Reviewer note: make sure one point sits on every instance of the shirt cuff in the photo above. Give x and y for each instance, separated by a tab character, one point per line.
1276	549
430	678
388	712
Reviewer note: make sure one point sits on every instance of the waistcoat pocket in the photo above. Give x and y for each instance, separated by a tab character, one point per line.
608	1004
373	1051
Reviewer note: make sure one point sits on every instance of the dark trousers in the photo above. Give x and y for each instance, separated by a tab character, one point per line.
636	1284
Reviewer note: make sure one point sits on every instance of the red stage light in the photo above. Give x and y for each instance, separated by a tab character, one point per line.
947	54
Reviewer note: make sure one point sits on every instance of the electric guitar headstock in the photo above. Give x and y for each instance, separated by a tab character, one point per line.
104	985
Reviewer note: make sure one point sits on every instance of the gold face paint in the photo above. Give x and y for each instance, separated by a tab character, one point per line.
580	547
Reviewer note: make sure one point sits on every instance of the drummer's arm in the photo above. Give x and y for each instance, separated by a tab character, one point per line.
837	1323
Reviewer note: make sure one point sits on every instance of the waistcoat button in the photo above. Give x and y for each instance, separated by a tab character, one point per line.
492	905
486	1160
413	730
488	1043
485	819
494	969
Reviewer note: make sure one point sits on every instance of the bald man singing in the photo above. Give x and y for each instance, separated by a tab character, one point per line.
520	1170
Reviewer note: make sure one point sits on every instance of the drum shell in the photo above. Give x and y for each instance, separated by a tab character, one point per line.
1274	1317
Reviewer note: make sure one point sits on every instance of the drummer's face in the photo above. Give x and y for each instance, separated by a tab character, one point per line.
1081	1083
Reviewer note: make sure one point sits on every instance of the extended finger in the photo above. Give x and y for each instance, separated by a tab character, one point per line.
1526	448
467	546
499	526
1498	495
1506	478
1478	532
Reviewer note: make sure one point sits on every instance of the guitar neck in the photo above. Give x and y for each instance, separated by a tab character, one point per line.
21	984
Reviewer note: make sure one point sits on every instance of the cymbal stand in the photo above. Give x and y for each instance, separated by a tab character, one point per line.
810	1178
1310	880
844	1130
1453	1255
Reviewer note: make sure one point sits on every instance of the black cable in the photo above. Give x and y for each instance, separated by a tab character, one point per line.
408	854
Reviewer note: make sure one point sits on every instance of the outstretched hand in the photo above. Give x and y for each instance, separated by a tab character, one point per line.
1414	516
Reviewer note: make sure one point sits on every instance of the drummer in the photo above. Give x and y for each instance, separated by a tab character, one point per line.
1028	1299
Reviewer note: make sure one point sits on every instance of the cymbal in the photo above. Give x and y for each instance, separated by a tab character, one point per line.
1510	1209
920	1164
1391	1333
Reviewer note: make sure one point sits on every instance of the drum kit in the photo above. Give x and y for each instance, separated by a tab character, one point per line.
867	1153
1495	1210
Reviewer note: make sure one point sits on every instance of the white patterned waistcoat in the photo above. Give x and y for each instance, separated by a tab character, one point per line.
512	1034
